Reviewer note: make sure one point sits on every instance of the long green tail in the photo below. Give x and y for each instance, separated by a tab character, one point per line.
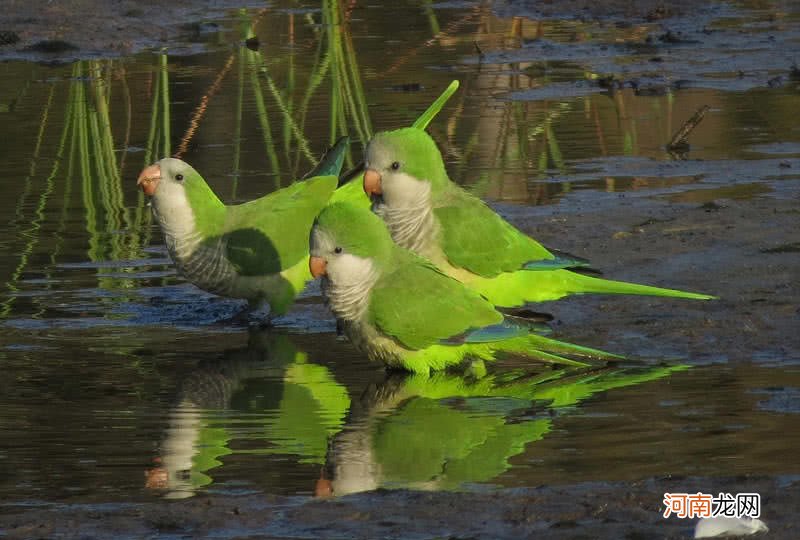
330	164
552	351
533	346
581	283
515	289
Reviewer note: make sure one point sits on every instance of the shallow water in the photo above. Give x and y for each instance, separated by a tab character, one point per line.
122	383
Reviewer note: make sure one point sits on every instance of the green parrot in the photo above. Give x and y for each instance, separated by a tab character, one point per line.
429	214
258	250
400	309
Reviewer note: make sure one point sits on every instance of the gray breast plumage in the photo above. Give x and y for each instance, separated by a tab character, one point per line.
202	262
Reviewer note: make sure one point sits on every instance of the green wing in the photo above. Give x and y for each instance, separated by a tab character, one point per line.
474	237
419	306
270	234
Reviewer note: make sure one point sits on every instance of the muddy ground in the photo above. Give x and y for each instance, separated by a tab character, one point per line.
585	511
65	30
746	251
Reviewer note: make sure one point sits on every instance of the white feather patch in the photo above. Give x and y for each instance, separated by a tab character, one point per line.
720	526
406	209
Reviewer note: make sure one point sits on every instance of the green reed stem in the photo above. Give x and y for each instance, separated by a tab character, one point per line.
167	141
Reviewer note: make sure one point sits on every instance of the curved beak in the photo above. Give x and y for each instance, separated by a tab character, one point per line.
149	179
318	266
372	182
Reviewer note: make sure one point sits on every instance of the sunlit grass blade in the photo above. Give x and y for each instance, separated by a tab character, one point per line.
263	118
167	147
32	233
434	108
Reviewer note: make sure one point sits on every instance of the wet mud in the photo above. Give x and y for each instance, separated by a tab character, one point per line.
630	510
707	240
46	31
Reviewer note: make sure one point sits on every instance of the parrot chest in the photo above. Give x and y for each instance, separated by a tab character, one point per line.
413	225
349	299
204	263
374	343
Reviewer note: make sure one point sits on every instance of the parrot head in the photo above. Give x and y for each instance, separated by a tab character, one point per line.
166	177
403	166
178	194
348	243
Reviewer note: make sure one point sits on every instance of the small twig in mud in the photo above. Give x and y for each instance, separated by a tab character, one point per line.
480	51
678	141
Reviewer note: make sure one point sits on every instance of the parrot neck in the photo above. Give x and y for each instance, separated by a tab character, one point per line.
180	222
411	222
348	291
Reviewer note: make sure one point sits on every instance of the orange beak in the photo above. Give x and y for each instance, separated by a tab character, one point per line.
372	182
324	488
149	179
318	266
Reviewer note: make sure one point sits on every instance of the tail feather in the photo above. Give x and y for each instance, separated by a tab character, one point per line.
543	356
552	351
590	284
559	260
563	347
330	164
514	289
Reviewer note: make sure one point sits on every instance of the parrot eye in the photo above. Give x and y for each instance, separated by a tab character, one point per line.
178	177
395	165
337	250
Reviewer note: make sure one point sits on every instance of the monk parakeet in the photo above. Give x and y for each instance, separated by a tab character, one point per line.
400	309
429	214
257	250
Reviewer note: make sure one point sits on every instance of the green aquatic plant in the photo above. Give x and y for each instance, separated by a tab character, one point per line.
335	63
87	150
31	233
